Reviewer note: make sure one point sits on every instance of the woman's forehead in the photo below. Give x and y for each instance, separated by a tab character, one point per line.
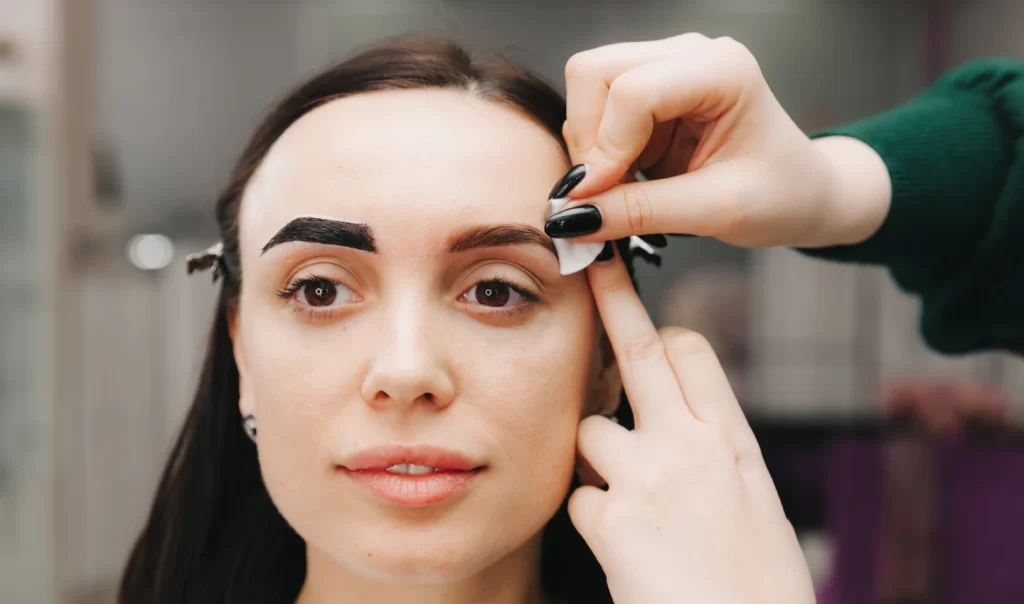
420	153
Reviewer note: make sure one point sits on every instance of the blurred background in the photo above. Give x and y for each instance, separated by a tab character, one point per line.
119	121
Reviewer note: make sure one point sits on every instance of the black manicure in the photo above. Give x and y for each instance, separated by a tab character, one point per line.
607	253
656	240
574	222
568	182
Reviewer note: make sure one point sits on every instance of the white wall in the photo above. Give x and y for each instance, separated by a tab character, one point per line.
180	85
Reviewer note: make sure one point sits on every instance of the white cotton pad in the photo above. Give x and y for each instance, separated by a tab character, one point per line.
573	257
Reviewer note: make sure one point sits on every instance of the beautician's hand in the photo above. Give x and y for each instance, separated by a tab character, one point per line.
691	513
723	158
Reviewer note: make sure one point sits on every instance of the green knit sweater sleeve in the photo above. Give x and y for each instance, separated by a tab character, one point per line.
954	235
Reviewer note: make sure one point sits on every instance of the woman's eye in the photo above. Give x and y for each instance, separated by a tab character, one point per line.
322	293
497	294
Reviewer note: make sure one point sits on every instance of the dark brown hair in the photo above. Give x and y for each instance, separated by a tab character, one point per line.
213	535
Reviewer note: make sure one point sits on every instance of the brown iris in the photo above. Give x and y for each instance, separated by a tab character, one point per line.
493	294
320	293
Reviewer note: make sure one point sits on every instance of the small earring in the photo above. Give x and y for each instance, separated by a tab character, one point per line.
249	426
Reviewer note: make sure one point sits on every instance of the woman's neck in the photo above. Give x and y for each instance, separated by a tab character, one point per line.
515	579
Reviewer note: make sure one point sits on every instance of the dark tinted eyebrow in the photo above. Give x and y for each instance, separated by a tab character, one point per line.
499	235
326	232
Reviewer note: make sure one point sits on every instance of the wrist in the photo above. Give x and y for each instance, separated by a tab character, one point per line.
859	194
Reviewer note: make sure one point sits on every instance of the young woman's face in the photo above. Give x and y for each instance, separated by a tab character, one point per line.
401	305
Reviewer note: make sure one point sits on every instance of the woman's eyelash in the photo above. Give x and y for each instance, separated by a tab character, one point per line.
289	290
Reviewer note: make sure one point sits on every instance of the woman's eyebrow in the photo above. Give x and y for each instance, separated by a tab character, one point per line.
327	232
499	235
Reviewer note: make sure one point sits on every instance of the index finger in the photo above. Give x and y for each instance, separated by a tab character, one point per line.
651	385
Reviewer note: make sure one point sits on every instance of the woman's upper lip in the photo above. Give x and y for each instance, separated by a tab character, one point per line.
382	458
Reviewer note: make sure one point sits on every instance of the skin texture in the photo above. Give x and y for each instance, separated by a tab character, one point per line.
406	353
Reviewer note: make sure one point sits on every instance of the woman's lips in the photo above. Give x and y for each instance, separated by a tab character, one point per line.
414	490
420	475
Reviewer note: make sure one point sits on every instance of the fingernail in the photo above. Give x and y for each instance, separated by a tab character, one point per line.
607	253
568	182
657	240
574	222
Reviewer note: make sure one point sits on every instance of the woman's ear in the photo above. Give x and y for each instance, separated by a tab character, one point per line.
245	405
608	386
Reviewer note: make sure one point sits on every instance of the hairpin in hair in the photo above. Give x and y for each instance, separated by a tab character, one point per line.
643	247
212	256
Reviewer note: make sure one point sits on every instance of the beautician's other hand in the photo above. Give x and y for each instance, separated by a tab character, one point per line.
691	513
723	158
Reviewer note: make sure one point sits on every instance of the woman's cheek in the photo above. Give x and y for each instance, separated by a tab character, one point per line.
301	379
535	383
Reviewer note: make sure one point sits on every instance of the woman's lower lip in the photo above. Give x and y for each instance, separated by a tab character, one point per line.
413	490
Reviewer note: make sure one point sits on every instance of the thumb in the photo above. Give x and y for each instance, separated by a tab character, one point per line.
709	201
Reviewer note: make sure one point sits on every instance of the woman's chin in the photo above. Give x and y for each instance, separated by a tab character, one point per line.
406	561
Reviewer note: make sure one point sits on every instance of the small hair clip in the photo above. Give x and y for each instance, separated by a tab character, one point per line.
642	249
210	257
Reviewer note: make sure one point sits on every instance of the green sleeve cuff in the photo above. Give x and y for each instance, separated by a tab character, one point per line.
950	186
954	234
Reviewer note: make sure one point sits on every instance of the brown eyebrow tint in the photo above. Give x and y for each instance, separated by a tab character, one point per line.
500	235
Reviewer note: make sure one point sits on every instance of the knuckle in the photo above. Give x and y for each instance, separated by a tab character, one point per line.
685	342
628	92
740	59
612	287
637	209
579	66
610	151
691	36
645	349
732	47
652	479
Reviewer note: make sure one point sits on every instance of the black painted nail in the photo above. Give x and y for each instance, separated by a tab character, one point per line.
574	222
607	253
568	182
656	239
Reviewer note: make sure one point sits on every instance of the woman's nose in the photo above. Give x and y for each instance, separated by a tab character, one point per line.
408	366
